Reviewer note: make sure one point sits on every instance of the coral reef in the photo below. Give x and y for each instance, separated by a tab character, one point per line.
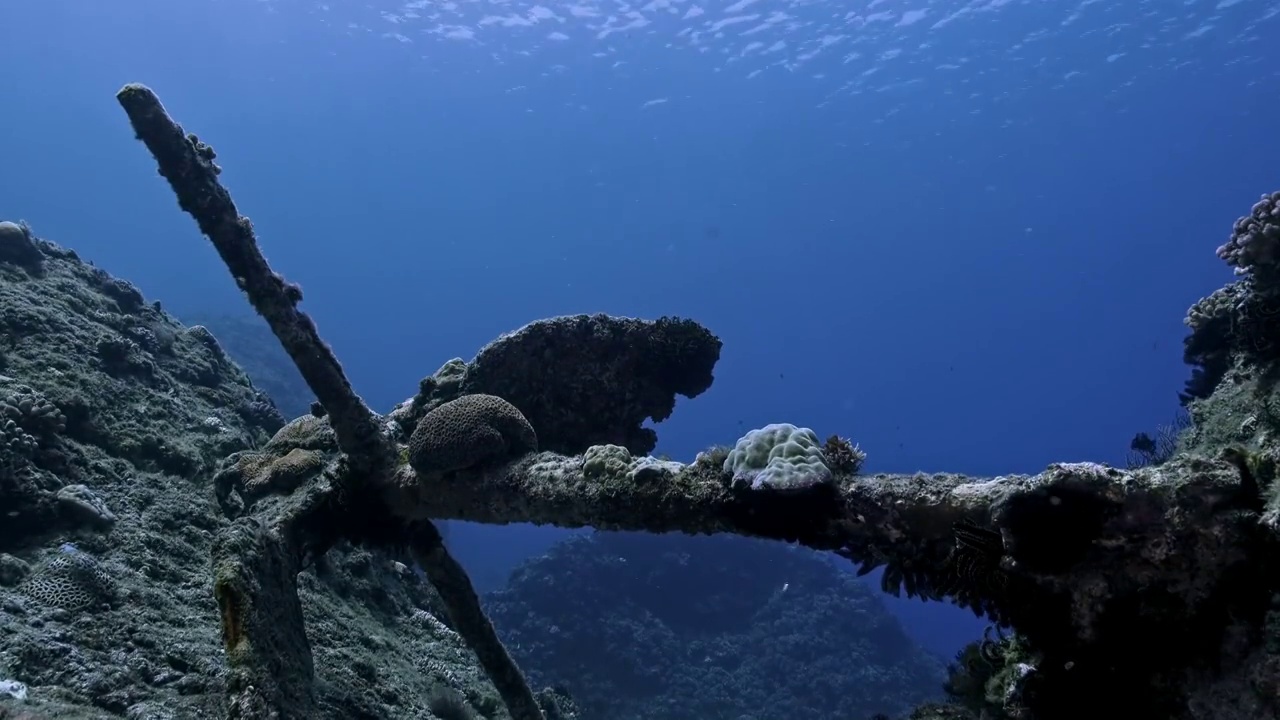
104	590
1121	582
107	605
1254	246
672	627
1147	593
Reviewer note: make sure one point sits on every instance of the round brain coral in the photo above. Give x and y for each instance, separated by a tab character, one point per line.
472	430
779	457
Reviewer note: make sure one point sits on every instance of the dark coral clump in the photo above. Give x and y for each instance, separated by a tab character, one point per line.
1207	349
586	380
18	246
1254	246
843	456
1241	320
469	431
966	571
977	678
972	575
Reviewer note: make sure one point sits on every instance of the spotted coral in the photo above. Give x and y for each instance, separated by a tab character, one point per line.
72	580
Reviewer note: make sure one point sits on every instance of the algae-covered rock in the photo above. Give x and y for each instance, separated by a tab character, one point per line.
114	422
247	338
19	248
584	380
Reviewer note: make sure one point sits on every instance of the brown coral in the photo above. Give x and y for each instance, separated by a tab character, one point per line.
285	473
255	473
469	431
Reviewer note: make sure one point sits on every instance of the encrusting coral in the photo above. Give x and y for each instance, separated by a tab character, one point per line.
1143	593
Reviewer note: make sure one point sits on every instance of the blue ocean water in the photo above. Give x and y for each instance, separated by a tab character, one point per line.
963	234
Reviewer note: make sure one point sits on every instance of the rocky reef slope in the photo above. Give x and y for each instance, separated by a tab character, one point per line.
249	342
673	627
113	420
120	423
